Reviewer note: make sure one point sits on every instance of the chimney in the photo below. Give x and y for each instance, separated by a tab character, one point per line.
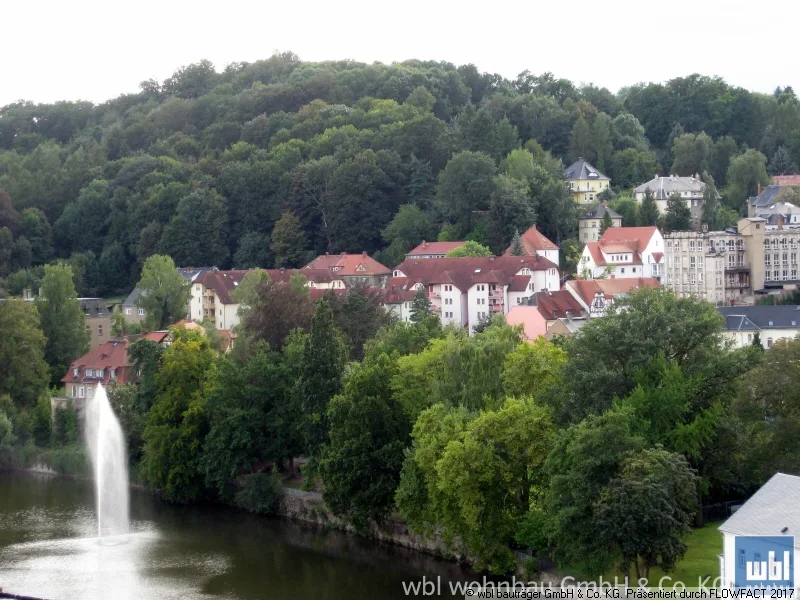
780	221
424	244
759	190
326	254
364	254
283	269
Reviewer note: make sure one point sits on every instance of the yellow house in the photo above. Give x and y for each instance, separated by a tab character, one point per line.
585	182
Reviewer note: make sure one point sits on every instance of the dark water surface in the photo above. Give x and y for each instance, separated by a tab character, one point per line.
49	549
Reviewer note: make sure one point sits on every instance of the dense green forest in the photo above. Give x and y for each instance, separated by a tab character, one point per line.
267	163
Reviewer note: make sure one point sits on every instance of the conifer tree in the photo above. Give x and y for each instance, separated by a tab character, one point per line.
516	245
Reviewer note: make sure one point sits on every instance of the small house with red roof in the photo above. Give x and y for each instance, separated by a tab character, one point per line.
464	291
535	243
353	269
107	364
596	295
624	253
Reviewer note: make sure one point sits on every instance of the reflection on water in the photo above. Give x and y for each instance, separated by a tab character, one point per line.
49	548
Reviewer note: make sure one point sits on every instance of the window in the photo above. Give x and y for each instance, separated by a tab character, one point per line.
691	261
749	337
90	391
622	270
691	245
75	372
74	391
699	244
81	392
128	311
141	312
769	342
100	330
585	235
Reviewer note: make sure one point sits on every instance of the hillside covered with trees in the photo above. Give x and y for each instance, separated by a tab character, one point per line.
268	163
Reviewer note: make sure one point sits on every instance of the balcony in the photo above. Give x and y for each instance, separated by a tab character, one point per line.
736	285
496	294
433	296
495	308
737	268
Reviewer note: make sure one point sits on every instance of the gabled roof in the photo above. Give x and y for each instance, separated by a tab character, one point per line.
580	170
222	282
636	237
109	357
770	510
156	336
468	271
533	241
598	211
557	305
766	197
398	290
663	187
349	264
587	289
94	307
751	318
426	248
131	299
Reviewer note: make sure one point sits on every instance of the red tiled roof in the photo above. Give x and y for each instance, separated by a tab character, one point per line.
222	282
186	324
156	336
657	256
519	283
533	240
594	250
318	293
398	290
466	272
109	357
434	248
349	264
786	179
588	288
557	305
635	237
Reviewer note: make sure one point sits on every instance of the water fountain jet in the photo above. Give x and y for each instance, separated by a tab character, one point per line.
106	444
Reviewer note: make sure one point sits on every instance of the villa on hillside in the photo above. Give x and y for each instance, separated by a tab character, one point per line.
535	243
433	249
690	189
590	222
353	268
585	182
624	252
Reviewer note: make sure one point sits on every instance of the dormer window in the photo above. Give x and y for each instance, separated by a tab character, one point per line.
75	372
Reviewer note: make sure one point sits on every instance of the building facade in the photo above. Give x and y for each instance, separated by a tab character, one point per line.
353	269
433	249
98	320
585	182
771	323
736	264
596	295
590	222
624	253
690	189
466	291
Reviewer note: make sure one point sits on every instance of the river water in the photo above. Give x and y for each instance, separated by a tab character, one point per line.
49	549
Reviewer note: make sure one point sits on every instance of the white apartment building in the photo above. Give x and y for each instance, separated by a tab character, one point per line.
463	291
624	253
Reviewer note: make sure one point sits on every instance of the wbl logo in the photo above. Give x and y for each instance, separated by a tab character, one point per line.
765	561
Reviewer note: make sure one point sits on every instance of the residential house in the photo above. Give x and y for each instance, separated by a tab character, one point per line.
690	189
533	323
774	204
353	268
98	320
463	291
317	279
585	182
773	512
590	222
211	298
133	313
107	364
624	252
534	243
786	180
432	249
565	328
596	295
772	323
737	264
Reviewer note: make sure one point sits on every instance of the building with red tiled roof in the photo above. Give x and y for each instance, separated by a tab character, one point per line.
557	305
786	180
624	252
432	249
353	268
534	243
464	291
596	295
107	364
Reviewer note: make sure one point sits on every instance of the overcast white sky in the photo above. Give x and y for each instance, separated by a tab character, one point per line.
95	50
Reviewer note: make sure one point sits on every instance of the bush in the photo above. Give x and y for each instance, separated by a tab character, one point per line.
65	430
69	460
260	493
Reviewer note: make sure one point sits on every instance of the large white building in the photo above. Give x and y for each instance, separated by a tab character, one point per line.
690	189
623	253
464	291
